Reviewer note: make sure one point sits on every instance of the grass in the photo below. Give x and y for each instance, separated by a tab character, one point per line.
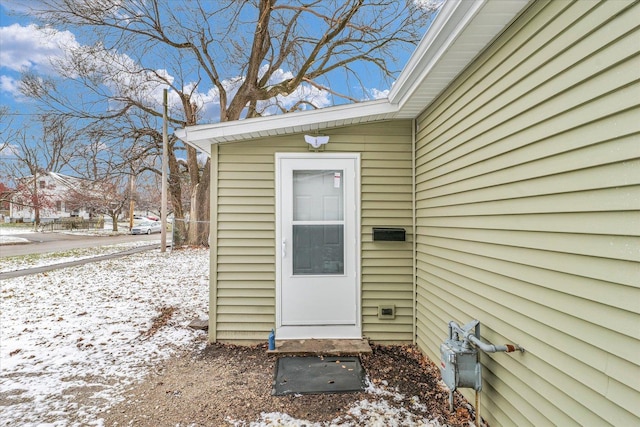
20	262
16	225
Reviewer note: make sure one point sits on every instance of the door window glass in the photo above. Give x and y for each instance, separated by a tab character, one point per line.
318	249
318	195
318	222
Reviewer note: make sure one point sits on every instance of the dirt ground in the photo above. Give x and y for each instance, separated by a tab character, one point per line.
231	385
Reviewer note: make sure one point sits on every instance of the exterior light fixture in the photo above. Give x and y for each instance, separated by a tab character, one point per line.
316	141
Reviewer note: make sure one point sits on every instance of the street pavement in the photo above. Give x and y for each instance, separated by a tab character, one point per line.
40	243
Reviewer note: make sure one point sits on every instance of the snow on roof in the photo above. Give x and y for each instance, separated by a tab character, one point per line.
460	31
65	180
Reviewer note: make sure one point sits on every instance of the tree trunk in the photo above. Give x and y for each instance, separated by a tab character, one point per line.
36	203
192	238
175	193
204	198
114	220
198	229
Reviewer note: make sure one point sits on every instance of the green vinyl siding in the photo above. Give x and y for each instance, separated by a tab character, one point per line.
243	253
528	215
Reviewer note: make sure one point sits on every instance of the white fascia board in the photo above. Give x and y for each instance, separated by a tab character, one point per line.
451	20
203	136
441	44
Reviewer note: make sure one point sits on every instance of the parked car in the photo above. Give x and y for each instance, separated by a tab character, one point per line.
147	227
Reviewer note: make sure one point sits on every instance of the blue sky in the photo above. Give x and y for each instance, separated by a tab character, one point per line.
23	46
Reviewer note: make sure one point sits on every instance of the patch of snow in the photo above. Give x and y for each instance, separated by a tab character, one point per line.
11	240
39	260
382	390
96	232
415	404
374	413
274	419
84	327
381	413
6	231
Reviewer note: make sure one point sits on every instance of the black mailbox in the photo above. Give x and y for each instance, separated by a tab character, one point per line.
389	234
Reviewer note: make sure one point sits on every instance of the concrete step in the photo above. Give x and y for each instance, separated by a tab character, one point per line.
317	347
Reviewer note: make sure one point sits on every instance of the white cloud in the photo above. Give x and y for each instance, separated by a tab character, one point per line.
50	51
9	150
209	102
26	47
379	94
118	72
304	92
10	85
429	5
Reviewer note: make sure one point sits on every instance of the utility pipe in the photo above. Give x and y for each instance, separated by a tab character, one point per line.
455	331
465	331
490	348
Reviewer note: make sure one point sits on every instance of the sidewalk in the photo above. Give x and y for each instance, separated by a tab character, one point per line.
45	268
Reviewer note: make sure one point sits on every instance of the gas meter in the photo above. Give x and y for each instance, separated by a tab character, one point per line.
460	358
460	366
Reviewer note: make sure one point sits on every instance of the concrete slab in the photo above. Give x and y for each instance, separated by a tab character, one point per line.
313	347
318	375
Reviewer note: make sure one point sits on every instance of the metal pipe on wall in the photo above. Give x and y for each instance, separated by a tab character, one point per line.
467	335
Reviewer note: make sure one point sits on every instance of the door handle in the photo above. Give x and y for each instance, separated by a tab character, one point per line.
284	248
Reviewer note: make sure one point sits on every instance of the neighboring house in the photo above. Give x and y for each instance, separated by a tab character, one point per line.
509	151
5	196
60	197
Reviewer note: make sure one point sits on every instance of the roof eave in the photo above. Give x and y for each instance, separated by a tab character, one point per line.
203	136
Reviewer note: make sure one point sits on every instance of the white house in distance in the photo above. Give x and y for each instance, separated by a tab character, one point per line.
508	157
55	192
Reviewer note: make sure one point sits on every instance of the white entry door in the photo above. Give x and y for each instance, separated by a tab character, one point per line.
317	269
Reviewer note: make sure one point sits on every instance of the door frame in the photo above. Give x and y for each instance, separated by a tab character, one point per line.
314	331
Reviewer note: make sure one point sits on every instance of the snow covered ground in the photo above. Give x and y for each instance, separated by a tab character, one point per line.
5	239
12	263
73	340
83	328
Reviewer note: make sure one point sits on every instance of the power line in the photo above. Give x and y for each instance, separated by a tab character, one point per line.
23	114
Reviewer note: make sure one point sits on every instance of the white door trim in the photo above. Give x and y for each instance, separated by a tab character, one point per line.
314	331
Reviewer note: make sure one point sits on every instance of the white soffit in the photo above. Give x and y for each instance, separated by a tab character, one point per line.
465	29
460	31
202	136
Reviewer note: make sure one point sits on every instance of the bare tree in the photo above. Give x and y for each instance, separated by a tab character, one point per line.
7	133
27	159
108	196
249	56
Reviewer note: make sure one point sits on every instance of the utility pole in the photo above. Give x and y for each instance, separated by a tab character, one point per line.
165	162
131	202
